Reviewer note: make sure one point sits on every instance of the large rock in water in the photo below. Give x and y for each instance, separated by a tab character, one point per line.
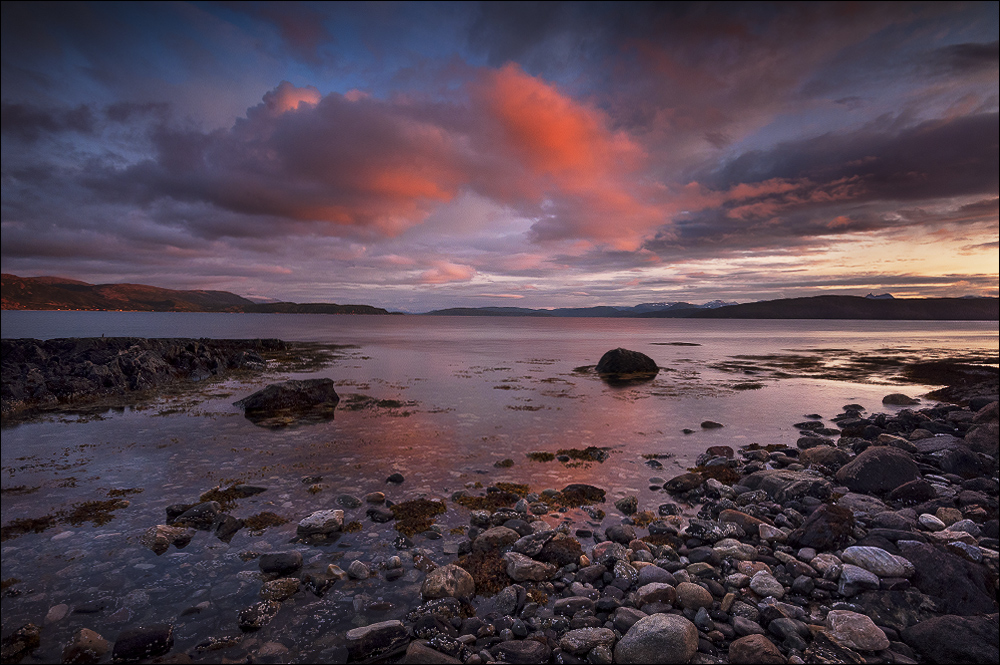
957	586
622	364
290	395
878	470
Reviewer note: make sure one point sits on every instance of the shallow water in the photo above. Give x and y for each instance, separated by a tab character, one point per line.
458	395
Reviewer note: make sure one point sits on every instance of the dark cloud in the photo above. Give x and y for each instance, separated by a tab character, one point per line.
969	58
29	123
931	160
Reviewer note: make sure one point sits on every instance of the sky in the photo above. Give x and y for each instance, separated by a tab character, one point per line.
415	156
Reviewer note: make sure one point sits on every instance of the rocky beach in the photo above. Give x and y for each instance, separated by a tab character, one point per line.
873	539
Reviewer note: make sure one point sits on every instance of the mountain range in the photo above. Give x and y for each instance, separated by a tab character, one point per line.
59	293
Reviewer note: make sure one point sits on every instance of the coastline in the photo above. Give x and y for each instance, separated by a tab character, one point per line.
766	532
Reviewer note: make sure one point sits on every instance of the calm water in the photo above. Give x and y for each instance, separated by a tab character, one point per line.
474	391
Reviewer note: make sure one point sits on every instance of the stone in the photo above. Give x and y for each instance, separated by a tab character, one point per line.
855	631
764	584
532	545
494	539
748	523
321	522
143	642
620	533
878	470
256	616
421	653
658	638
449	581
376	639
280	563
280	589
878	561
648	574
984	438
692	596
20	643
930	522
899	399
730	548
561	550
358	570
86	646
827	528
522	651
783	485
625	618
380	514
754	649
957	586
744	626
624	361
200	516
915	491
627	505
956	639
582	640
658	592
683	483
862	505
290	395
349	501
522	569
854	579
159	538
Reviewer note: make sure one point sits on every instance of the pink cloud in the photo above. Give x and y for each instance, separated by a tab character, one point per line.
445	272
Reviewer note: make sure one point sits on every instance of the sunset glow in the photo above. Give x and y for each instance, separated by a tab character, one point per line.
421	156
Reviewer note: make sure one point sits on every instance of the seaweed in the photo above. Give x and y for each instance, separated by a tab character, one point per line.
720	472
488	571
257	523
540	456
415	516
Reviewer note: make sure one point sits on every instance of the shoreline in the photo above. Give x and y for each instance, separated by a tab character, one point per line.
742	528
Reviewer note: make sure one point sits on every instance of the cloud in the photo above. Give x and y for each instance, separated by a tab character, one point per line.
29	122
444	272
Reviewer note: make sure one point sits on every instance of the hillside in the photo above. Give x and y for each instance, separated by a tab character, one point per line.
854	307
48	293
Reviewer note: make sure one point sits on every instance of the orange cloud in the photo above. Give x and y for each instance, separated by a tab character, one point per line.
444	272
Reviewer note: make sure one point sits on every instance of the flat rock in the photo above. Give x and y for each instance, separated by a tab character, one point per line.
376	639
658	638
582	640
937	443
522	651
85	646
854	579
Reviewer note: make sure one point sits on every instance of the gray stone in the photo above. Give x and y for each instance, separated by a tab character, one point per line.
878	470
257	615
877	560
658	638
956	639
745	627
494	539
572	605
764	584
522	651
854	579
648	574
448	581
522	569
582	640
321	522
358	570
532	545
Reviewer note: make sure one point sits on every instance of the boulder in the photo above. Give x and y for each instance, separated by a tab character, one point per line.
984	438
582	640
290	395
85	646
899	399
957	586
622	361
956	639
448	581
878	470
658	638
522	651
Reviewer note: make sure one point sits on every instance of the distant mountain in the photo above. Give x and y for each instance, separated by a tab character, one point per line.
47	293
854	307
881	296
490	311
